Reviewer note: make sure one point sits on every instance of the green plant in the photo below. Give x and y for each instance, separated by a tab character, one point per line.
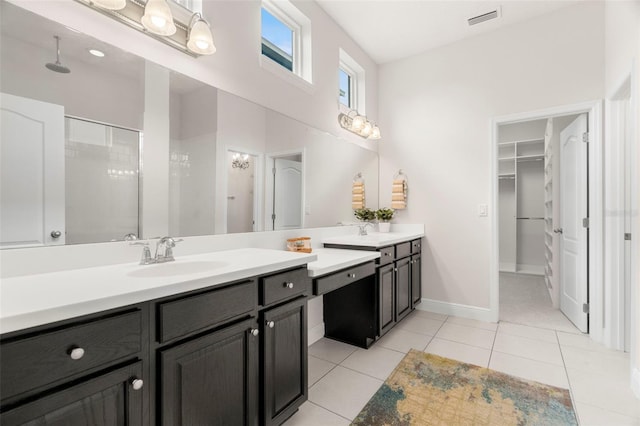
384	214
364	214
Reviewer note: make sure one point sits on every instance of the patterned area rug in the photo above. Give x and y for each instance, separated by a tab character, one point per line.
427	389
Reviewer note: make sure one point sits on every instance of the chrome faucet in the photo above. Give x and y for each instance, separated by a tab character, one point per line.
164	249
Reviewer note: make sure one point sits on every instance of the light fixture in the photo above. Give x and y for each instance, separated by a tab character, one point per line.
240	161
96	52
200	39
110	4
358	124
171	23
158	19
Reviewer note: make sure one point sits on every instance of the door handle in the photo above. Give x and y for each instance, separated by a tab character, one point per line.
558	230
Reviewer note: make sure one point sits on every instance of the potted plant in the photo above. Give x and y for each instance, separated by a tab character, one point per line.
365	216
384	216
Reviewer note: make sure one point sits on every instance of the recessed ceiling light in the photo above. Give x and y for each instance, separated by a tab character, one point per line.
96	52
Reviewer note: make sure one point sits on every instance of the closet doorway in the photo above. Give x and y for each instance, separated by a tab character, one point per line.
542	169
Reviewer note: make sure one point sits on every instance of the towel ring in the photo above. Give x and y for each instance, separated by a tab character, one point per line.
401	175
358	177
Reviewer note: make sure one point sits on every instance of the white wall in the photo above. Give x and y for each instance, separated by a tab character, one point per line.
118	99
622	41
235	67
436	109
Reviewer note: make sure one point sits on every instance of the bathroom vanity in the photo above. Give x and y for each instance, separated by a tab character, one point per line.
219	336
232	349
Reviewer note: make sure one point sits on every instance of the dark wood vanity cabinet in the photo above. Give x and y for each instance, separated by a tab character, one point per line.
88	370
108	399
229	354
284	361
398	281
212	379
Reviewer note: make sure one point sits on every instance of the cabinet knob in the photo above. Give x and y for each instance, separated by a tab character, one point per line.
395	269
76	353
56	234
136	383
254	332
270	324
288	285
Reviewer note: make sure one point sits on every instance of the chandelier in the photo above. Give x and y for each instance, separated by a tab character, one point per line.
240	161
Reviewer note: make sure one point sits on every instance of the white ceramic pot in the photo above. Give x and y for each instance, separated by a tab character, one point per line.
384	226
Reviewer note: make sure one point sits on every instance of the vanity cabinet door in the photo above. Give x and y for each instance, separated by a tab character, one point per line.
213	379
416	279
284	370
386	298
113	399
403	288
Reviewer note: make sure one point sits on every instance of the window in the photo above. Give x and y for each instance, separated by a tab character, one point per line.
345	88
277	40
285	40
351	86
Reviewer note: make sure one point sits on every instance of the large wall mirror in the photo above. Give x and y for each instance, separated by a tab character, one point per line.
113	147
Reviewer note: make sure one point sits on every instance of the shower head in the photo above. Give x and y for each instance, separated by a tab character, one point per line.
57	67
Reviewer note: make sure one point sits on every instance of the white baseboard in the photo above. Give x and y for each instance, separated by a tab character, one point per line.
456	310
635	382
316	333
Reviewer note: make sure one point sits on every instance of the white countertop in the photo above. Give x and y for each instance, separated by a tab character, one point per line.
32	300
374	239
331	260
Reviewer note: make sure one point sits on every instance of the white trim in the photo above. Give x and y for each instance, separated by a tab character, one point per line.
315	333
456	310
596	285
635	382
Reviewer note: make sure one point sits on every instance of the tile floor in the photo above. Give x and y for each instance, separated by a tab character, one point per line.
342	378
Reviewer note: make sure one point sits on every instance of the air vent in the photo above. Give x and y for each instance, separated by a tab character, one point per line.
484	17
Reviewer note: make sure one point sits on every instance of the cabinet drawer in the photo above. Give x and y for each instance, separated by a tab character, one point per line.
416	246
403	250
341	278
193	313
45	359
387	254
284	286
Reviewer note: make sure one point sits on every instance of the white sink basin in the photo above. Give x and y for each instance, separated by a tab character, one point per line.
176	268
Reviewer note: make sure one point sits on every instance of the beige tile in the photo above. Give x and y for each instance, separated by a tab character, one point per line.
604	391
528	348
594	416
344	391
402	340
376	361
467	335
491	326
609	363
331	350
318	368
543	334
459	351
421	325
431	315
311	414
529	369
583	341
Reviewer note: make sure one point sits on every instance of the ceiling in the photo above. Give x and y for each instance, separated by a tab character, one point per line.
389	30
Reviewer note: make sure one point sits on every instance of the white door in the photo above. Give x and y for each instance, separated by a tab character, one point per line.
573	209
287	198
32	202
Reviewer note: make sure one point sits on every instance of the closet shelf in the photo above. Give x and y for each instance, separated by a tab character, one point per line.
530	157
524	141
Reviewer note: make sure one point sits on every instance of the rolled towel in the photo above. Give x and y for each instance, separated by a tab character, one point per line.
357	197
398	205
